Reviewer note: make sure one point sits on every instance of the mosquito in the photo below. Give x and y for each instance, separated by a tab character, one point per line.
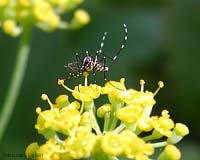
95	63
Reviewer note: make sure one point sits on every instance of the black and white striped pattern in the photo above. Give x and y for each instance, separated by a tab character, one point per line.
94	63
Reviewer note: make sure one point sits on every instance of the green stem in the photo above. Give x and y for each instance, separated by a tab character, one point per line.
106	122
16	80
113	116
90	107
159	144
149	138
119	128
96	126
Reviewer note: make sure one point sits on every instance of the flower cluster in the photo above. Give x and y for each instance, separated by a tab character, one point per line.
15	16
129	130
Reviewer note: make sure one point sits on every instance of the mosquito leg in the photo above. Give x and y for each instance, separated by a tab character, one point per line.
70	75
102	43
121	47
96	57
105	69
78	58
94	76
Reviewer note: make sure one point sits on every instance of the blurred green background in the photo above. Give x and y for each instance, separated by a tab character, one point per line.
163	44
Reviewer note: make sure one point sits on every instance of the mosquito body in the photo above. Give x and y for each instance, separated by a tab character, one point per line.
96	63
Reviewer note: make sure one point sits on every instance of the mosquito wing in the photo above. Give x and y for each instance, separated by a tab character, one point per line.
74	66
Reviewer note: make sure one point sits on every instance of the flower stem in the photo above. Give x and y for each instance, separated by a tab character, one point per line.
113	116
119	128
106	122
149	137
159	144
16	80
90	107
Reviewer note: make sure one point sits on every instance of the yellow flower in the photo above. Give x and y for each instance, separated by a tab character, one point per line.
49	150
87	93
84	138
80	18
61	101
84	93
44	124
113	86
9	26
101	111
82	144
170	152
45	14
111	144
163	124
130	113
135	147
63	120
115	91
140	98
180	130
31	150
86	120
144	124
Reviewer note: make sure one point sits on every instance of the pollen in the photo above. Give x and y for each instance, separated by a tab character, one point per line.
142	82
38	110
61	81
161	84
85	74
44	97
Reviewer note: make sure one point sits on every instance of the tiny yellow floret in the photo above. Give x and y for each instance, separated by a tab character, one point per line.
101	111
61	101
9	26
111	144
82	17
31	150
130	113
181	129
170	152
